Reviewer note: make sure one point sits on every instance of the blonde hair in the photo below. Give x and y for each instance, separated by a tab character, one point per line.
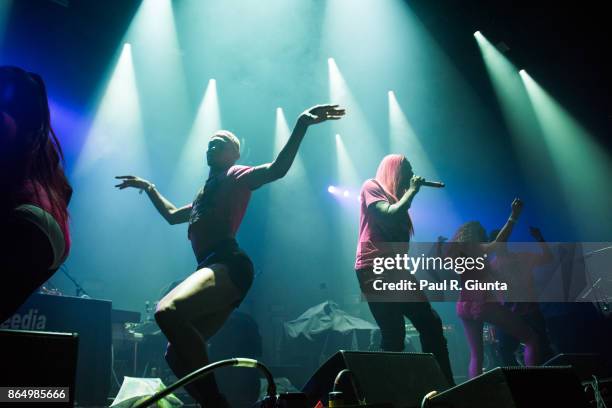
230	137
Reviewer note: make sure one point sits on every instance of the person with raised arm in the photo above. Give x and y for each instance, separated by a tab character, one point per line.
520	267
195	310
475	307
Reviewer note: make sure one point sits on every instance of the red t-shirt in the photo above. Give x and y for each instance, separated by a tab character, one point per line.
218	208
373	231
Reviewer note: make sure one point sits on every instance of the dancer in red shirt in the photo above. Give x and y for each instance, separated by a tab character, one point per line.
197	308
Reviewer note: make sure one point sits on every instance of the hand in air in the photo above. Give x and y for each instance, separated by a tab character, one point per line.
321	113
536	233
132	181
517	207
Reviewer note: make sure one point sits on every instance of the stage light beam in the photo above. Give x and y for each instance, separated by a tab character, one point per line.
357	127
403	139
116	134
347	173
520	119
189	173
506	83
158	60
583	166
281	136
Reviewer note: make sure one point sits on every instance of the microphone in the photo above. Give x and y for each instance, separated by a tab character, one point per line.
436	184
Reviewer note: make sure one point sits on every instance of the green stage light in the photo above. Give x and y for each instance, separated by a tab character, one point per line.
290	198
357	129
282	132
281	136
347	173
403	139
534	160
158	62
191	167
116	135
583	166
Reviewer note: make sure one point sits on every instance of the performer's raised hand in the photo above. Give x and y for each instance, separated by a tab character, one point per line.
169	211
517	207
269	172
132	181
536	233
321	113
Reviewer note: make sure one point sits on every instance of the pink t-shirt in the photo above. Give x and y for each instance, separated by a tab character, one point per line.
218	208
373	231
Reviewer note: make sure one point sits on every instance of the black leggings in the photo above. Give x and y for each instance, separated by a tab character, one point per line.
390	319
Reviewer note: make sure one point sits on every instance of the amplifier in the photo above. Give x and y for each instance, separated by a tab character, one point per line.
91	320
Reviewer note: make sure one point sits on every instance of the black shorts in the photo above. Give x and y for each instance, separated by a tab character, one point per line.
240	267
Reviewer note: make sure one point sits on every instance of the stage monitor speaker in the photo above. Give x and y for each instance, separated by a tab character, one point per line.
516	387
586	365
401	379
91	319
39	359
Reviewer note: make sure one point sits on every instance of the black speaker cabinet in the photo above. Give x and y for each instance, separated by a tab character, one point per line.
401	379
586	365
91	319
39	359
516	387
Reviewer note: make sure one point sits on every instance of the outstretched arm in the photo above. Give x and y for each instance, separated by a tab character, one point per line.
167	210
506	231
547	256
269	172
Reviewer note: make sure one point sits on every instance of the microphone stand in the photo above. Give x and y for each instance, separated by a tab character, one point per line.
80	292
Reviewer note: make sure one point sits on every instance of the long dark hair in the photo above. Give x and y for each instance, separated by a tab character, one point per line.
30	150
